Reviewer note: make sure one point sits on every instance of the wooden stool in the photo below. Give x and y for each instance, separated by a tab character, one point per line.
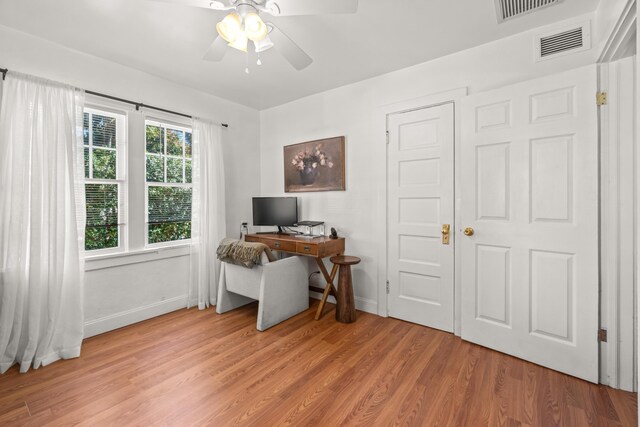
346	307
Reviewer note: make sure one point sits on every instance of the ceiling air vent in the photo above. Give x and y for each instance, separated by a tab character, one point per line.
563	41
508	9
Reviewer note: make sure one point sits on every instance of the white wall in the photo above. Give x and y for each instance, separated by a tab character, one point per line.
156	283
353	111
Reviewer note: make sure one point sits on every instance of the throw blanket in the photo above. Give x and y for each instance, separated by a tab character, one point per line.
246	254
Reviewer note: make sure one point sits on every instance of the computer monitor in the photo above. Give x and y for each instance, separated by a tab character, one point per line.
277	211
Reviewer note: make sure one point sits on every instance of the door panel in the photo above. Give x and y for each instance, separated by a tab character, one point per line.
420	192
530	192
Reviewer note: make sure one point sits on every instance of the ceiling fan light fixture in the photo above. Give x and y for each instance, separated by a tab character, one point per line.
230	27
262	45
240	42
255	28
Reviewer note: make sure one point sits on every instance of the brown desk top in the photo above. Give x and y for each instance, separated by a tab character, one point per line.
292	238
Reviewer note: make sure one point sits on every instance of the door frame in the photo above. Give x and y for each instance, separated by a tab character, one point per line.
617	190
380	146
614	362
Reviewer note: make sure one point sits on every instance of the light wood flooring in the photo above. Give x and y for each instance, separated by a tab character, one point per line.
198	368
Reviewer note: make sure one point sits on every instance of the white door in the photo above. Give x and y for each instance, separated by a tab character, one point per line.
420	202
530	192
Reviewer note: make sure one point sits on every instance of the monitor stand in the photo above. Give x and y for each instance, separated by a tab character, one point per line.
281	230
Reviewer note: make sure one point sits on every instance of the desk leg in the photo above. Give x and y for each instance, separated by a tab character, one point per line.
329	288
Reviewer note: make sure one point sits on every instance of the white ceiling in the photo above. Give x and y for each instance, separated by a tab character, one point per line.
169	40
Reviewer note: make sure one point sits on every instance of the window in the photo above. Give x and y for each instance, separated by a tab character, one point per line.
103	134
118	218
168	182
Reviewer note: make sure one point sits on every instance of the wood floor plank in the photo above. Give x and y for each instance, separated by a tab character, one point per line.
625	406
15	414
348	415
195	367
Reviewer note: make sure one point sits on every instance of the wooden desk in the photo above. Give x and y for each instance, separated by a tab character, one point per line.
318	248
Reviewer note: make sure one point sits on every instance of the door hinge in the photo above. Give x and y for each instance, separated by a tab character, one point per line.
601	98
387	137
387	286
602	335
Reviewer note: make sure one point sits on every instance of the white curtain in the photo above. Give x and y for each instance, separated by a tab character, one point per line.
208	213
41	222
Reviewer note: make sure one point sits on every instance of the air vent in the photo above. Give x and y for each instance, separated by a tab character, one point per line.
508	9
563	41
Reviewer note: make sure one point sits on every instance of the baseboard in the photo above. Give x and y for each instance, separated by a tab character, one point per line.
368	305
318	295
138	314
363	304
135	315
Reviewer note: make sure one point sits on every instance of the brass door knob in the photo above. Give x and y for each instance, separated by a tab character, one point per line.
445	233
468	231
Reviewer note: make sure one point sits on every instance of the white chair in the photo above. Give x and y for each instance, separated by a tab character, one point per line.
280	287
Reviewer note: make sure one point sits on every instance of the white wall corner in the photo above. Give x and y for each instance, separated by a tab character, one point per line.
609	16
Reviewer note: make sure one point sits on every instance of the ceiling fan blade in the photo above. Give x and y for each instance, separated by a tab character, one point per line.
216	51
287	48
206	4
313	7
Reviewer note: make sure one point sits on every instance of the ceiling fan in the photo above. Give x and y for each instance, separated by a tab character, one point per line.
243	27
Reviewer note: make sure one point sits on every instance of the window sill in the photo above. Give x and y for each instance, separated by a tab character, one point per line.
100	262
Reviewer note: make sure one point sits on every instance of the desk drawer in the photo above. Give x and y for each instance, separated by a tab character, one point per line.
306	248
280	245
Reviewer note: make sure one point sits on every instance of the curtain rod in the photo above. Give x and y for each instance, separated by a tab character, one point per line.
138	105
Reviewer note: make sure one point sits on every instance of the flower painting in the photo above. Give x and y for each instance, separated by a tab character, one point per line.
314	166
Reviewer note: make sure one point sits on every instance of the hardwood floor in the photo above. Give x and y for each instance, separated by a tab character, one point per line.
198	368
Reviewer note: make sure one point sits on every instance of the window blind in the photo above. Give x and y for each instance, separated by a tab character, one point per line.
102	204
169	204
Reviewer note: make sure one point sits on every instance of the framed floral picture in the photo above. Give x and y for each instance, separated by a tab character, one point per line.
314	166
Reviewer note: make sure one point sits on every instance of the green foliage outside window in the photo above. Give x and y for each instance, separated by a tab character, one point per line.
159	233
188	171
175	142
188	144
102	216
155	168
169	213
104	164
100	162
86	162
101	237
168	161
155	139
174	170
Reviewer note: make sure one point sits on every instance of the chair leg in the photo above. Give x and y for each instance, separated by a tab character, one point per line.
284	292
228	300
277	306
